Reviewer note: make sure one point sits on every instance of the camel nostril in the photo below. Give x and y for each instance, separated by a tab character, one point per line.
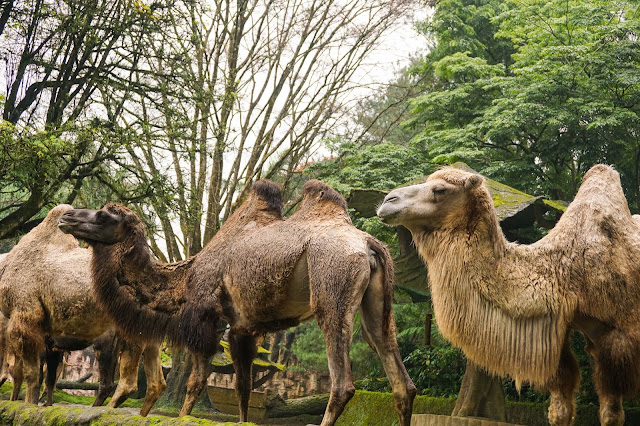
391	199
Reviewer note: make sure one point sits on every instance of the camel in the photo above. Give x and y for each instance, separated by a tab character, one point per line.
260	274
511	307
45	292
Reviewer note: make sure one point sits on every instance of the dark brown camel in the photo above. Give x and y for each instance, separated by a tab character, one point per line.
510	307
260	274
45	292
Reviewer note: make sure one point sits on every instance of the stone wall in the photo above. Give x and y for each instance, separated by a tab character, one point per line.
76	365
287	384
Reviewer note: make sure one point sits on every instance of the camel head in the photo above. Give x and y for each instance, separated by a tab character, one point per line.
447	199
111	224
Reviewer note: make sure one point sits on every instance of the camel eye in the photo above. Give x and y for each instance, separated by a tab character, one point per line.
103	217
439	191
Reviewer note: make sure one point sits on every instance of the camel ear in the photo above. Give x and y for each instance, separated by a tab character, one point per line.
473	181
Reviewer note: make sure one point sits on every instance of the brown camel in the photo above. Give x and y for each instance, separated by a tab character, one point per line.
510	307
260	274
45	292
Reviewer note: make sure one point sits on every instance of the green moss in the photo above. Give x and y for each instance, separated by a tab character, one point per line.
21	414
555	204
431	405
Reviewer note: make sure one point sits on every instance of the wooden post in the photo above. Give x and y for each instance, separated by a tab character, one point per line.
427	329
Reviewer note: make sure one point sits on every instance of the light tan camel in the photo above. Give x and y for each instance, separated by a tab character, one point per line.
260	274
45	292
510	307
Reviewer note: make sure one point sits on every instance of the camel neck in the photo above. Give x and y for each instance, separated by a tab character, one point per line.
486	264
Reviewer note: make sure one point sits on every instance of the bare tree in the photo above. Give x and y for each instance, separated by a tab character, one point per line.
243	90
56	53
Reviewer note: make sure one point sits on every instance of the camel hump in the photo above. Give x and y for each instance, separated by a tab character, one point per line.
270	192
323	192
602	184
56	212
601	171
47	231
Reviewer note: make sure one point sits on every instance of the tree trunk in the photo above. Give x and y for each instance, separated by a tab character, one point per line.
315	404
481	395
174	394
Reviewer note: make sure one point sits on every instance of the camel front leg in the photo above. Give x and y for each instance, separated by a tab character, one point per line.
31	366
155	379
243	352
128	383
200	371
16	371
563	386
26	343
384	343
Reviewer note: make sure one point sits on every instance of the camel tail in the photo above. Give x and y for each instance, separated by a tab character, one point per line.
384	262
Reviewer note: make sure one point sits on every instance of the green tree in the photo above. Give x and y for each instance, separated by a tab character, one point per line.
564	97
57	53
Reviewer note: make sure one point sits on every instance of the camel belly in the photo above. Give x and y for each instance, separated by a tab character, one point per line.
272	306
297	303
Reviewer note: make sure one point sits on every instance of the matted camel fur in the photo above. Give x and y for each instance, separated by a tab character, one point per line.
259	273
46	294
510	307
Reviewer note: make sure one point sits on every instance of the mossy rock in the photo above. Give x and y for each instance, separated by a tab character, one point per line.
18	413
375	408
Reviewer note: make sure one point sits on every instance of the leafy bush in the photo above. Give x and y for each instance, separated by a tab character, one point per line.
436	371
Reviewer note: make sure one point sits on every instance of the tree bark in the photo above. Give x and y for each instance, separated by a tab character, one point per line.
481	395
315	404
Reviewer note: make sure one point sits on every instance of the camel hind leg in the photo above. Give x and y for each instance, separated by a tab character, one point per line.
106	348
155	379
383	341
243	352
336	293
197	381
563	386
616	372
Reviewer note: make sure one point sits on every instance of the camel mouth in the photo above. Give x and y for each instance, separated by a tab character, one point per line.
385	216
67	223
387	211
71	225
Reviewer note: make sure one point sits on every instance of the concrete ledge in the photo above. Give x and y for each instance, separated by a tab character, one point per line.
439	420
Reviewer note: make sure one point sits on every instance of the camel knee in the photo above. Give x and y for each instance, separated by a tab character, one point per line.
156	389
341	396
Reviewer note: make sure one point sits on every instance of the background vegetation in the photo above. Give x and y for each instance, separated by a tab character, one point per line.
175	107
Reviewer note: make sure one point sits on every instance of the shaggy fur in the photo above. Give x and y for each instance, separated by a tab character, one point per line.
259	273
45	291
510	306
